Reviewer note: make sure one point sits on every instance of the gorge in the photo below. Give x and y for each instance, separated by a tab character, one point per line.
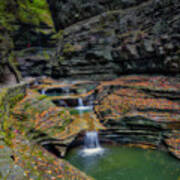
90	89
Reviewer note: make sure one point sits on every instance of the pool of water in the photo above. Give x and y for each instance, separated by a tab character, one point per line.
76	111
123	163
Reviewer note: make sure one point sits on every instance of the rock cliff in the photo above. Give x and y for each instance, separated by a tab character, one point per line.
140	39
104	39
142	111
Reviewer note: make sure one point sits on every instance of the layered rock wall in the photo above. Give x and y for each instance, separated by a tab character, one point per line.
66	13
141	39
115	38
142	111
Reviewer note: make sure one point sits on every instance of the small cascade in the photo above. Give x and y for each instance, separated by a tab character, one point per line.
81	105
91	140
80	102
36	83
67	91
91	144
43	91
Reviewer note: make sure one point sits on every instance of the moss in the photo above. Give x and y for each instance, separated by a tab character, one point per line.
46	55
4	109
25	11
3	93
58	35
42	97
13	100
60	59
13	63
8	99
68	48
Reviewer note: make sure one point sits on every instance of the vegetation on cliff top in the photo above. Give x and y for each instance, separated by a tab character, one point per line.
24	11
14	16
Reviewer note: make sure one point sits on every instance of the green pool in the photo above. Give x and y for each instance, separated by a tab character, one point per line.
123	163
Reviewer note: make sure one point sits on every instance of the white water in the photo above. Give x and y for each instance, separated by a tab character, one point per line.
81	105
43	91
91	144
80	102
36	83
66	90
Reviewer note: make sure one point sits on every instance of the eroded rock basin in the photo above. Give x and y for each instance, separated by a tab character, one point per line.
124	163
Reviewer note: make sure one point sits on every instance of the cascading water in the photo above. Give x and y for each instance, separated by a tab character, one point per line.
43	91
91	144
67	91
80	102
91	140
36	83
81	105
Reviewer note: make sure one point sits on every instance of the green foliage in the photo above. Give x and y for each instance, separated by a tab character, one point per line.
41	97
24	11
60	59
34	12
13	14
15	99
58	35
8	98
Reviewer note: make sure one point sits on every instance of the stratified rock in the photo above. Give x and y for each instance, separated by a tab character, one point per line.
69	12
53	126
109	39
38	163
132	40
31	125
141	110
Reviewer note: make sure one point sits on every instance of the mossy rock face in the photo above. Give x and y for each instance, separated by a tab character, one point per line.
29	23
121	42
42	122
111	40
23	24
8	71
35	61
41	126
8	169
40	116
40	164
28	124
68	12
8	98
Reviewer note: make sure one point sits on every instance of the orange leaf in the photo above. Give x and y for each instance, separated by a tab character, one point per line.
1	147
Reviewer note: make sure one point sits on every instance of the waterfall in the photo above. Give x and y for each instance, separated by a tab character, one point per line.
80	102
81	105
43	91
67	91
91	140
91	144
36	83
